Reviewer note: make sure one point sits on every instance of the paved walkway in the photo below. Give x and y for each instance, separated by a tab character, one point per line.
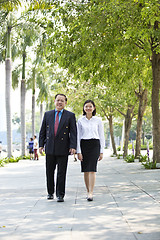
126	203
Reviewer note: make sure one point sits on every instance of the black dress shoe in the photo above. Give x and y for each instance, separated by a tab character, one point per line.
50	196
60	199
90	199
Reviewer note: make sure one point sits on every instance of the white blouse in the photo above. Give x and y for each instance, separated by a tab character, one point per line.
90	129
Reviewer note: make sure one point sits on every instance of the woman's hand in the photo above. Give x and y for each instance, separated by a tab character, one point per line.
80	157
100	157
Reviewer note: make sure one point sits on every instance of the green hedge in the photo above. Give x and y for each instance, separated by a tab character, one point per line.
11	160
143	147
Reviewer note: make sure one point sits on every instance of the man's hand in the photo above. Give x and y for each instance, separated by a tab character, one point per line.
72	151
41	149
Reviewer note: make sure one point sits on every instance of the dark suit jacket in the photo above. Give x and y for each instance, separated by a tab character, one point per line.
66	136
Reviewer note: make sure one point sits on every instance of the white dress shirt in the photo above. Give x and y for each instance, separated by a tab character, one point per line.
90	129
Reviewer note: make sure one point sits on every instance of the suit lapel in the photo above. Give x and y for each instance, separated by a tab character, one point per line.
52	120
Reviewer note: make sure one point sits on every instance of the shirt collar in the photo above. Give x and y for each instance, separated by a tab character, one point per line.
87	118
59	111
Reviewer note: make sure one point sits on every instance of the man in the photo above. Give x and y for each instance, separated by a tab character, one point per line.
59	136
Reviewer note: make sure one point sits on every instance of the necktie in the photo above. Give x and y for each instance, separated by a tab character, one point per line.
56	123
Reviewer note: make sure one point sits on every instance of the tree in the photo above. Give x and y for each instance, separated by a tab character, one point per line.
39	22
6	8
25	39
142	97
141	28
92	28
126	106
107	101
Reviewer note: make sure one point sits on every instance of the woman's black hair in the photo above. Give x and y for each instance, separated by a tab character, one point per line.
90	101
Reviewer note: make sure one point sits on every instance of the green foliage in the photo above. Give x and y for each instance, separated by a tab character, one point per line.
12	160
129	158
130	146
9	5
91	46
113	155
104	47
23	157
149	165
16	119
29	123
119	148
1	163
15	76
119	156
143	158
118	124
144	147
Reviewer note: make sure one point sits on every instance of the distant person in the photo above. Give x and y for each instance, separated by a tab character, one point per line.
90	145
0	148
35	147
58	135
31	150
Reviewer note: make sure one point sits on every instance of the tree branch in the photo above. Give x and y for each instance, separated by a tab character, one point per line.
139	46
120	112
104	112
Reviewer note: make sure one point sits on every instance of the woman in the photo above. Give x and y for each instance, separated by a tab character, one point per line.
90	144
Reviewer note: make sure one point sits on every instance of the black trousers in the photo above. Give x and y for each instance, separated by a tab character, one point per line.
61	162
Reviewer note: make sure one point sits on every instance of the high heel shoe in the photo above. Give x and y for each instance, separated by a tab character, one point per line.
90	199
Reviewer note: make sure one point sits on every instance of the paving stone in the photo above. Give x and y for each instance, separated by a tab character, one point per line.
126	203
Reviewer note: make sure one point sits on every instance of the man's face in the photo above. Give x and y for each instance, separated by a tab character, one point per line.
60	102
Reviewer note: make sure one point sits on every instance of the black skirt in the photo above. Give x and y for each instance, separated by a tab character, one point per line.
90	149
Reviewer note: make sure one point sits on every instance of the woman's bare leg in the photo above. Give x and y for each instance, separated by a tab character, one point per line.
86	180
92	179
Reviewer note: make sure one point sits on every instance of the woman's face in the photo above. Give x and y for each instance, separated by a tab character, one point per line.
89	108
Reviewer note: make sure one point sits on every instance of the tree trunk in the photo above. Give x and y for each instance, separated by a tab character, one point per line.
23	125
122	138
33	104
8	92
41	112
142	106
23	104
33	114
110	119
8	106
128	122
143	132
155	106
